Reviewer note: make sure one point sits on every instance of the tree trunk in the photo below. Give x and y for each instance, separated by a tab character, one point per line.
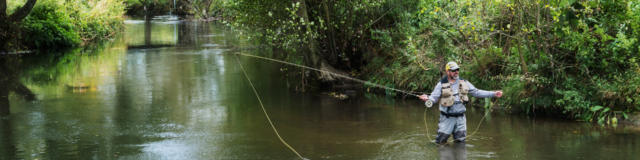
332	37
207	8
313	57
523	63
21	12
7	23
5	31
3	10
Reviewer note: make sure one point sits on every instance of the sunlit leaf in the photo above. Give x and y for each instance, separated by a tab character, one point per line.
595	108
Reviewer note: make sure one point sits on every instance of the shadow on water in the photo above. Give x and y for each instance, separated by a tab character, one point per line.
10	67
7	147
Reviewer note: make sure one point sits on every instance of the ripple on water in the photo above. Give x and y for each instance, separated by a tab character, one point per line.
212	35
210	45
133	21
406	146
417	146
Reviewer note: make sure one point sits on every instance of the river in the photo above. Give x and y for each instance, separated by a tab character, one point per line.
172	90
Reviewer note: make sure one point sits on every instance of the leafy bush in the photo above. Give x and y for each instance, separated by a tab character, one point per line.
48	26
97	20
55	24
151	7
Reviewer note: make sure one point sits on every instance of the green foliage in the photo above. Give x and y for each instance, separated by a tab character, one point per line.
54	24
548	56
574	102
622	92
48	26
97	19
277	23
151	7
599	39
12	5
199	9
203	9
560	57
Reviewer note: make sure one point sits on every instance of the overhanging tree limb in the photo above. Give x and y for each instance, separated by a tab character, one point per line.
20	12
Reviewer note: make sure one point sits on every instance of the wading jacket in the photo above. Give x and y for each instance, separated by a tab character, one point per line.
458	106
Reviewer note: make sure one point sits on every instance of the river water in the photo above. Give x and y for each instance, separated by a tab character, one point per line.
171	90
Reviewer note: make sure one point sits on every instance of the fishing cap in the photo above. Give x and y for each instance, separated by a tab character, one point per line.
451	66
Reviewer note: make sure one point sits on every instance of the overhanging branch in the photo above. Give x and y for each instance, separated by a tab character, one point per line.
20	12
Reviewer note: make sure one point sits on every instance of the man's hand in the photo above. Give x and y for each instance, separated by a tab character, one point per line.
424	97
498	94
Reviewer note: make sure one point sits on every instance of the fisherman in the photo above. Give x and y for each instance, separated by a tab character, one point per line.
452	94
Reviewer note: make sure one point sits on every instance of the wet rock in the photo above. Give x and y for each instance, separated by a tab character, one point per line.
340	96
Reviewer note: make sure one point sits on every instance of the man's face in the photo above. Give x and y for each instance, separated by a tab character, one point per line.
453	74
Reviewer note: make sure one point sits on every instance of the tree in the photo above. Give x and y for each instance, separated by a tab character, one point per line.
200	8
7	22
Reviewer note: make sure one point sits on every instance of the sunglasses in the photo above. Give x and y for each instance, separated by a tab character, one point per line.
454	70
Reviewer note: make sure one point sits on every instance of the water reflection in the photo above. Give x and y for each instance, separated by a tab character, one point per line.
456	151
159	34
150	35
7	147
10	68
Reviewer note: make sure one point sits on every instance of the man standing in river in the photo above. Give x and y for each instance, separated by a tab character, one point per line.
452	94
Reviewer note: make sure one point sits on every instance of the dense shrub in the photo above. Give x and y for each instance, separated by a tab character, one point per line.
60	24
149	7
48	26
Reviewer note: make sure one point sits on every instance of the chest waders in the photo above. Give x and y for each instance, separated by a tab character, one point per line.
452	122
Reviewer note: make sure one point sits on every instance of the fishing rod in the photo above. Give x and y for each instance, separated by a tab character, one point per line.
329	72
